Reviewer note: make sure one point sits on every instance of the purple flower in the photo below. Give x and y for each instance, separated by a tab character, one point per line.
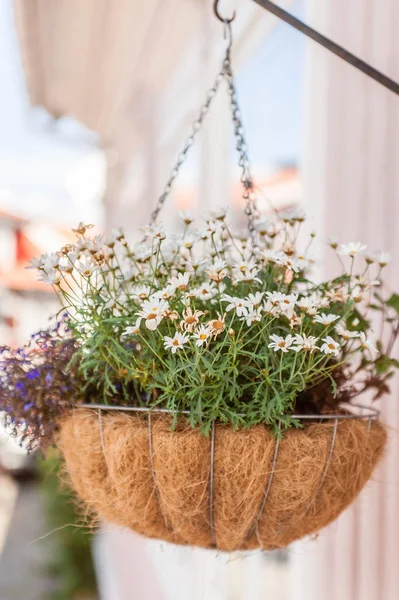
33	374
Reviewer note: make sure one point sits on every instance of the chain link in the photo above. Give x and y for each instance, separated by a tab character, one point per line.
242	149
226	73
197	125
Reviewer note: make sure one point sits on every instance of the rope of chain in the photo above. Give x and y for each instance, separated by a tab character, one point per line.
241	146
189	142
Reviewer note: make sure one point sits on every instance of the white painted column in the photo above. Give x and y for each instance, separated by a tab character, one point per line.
352	189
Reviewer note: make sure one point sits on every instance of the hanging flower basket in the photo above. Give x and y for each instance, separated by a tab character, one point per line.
237	490
198	383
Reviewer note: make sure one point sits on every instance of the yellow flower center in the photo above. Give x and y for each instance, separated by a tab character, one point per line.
281	344
175	342
203	336
331	346
151	316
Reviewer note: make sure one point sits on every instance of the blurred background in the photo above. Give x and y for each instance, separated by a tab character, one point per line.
97	97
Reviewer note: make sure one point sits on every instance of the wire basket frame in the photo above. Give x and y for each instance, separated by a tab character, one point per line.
361	412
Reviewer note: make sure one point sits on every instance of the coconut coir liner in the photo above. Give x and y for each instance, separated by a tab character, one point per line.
166	494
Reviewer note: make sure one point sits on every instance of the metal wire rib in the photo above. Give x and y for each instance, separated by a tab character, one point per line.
330	453
211	489
100	426
254	527
370	414
153	475
323	476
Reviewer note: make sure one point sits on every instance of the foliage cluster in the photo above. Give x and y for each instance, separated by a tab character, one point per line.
208	323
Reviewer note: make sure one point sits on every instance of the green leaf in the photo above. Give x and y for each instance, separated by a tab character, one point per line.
393	302
384	363
356	322
375	307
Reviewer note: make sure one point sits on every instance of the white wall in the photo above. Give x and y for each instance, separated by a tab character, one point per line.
352	189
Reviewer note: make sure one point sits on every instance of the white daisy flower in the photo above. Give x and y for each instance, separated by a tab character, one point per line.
271	309
323	301
219	214
206	291
141	292
245	265
217	271
287	304
308	304
271	256
180	282
334	242
345	333
367	345
86	269
74	255
255	300
175	342
130	273
254	316
202	335
288	261
383	258
212	228
190	319
280	343
357	294
95	245
51	277
305	342
325	319
352	249
65	266
50	261
131	330
188	241
262	226
154	232
152	311
338	295
187	216
166	293
112	238
330	346
274	297
239	304
247	276
35	263
294	214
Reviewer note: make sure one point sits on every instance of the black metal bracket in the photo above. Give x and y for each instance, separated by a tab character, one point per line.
330	45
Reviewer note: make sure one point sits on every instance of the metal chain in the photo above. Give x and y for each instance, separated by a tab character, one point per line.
241	145
242	148
197	125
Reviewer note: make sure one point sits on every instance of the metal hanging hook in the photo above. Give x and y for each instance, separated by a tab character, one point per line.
219	16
